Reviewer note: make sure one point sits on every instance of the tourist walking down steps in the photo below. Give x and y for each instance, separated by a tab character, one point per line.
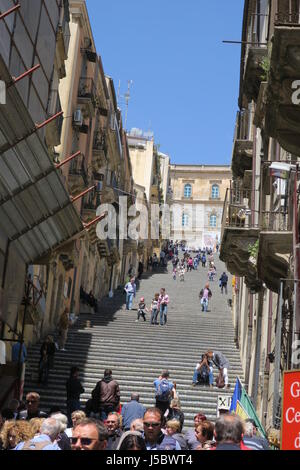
163	302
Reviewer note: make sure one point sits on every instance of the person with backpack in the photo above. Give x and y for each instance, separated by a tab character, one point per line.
223	282
205	294
203	373
164	391
106	396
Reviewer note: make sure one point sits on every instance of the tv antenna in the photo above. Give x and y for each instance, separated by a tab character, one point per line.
126	97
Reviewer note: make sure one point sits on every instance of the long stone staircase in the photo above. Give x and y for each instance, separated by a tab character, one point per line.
138	352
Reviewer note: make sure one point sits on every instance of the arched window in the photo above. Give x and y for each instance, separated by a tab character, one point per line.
213	221
187	191
215	191
185	220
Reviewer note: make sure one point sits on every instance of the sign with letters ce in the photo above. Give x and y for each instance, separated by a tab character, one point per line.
290	422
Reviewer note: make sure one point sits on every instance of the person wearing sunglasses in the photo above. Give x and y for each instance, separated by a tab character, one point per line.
32	407
90	434
153	435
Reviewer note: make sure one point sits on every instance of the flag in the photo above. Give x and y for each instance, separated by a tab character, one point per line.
242	406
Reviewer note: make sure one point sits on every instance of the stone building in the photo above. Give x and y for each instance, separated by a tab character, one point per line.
63	153
260	227
37	214
198	193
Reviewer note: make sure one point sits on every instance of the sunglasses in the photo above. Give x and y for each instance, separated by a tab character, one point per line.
31	401
153	425
85	441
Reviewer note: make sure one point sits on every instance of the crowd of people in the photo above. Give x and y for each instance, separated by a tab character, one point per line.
106	425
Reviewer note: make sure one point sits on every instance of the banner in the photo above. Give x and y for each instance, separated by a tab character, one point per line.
242	406
290	421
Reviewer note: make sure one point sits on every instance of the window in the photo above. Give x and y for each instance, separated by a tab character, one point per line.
185	220
213	221
187	191
215	192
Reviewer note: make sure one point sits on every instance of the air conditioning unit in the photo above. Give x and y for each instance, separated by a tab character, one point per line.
78	118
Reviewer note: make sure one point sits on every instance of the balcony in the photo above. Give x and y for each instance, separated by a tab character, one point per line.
89	207
241	157
62	46
108	249
130	246
282	105
260	109
110	193
240	231
53	129
243	145
78	177
87	95
275	247
99	150
254	72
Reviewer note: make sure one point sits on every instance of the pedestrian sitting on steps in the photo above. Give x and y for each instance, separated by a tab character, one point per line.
203	373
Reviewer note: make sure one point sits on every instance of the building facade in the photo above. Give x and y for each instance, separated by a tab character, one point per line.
260	228
198	193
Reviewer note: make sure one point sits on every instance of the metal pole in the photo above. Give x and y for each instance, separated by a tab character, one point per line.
59	165
73	199
102	216
277	355
11	10
25	74
296	319
43	124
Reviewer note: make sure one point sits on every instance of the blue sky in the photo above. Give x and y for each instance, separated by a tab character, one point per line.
185	80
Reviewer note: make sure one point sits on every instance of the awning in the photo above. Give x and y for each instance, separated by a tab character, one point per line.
36	213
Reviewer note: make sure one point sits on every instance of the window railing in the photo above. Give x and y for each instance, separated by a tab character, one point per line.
278	221
287	12
78	168
87	89
237	213
242	127
99	142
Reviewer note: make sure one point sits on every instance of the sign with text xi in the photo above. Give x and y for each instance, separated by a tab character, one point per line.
290	422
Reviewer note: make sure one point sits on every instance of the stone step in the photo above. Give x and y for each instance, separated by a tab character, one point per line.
138	352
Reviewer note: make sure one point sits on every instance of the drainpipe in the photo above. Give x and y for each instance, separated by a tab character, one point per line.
237	311
258	348
249	342
296	245
3	279
267	363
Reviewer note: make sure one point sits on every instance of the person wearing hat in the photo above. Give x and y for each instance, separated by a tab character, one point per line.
142	309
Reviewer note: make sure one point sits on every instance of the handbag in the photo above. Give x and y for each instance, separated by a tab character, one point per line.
220	382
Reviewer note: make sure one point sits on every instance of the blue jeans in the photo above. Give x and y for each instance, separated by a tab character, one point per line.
210	376
154	316
163	314
129	299
204	304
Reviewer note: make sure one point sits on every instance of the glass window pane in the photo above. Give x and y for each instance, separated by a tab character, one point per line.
187	190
